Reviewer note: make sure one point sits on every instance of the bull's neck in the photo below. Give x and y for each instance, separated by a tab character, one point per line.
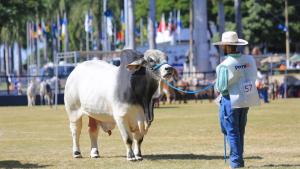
135	87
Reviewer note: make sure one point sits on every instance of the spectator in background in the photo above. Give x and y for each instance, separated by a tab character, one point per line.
274	89
281	90
256	52
282	67
258	83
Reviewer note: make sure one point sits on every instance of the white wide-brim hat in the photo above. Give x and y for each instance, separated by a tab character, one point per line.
231	38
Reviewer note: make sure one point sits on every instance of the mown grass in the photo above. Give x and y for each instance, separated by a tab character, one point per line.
181	137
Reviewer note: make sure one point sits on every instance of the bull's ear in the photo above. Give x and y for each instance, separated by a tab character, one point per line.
136	65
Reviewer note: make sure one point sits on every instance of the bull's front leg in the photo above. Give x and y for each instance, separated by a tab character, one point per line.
138	139
126	136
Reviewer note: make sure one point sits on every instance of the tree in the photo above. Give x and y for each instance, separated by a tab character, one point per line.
163	6
260	24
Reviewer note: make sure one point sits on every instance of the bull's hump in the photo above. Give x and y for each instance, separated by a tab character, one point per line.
97	64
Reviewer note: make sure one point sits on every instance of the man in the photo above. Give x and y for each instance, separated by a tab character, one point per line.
235	81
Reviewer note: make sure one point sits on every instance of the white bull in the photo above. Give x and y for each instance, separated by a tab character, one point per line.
112	95
46	94
31	92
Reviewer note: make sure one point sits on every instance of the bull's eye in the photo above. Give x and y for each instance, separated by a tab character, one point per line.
151	60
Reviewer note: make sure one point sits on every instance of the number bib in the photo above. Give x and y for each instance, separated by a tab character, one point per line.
246	87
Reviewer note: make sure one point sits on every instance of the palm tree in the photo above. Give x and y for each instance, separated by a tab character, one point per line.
151	22
221	21
238	18
130	23
200	35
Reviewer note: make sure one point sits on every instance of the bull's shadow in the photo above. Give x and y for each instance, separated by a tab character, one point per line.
277	165
18	164
167	107
189	157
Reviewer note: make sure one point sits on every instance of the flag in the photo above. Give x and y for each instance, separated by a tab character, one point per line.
58	27
109	26
64	26
39	30
179	23
53	29
123	21
30	30
120	36
34	34
88	23
170	23
162	24
48	27
44	31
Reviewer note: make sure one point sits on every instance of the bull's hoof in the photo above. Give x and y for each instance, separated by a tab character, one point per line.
139	158
130	156
95	154
77	154
131	159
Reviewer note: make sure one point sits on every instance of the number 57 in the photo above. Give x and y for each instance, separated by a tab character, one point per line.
248	88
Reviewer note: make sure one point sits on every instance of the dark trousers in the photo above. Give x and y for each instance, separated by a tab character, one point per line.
233	122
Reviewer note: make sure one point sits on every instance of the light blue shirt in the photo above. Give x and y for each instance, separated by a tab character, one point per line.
222	77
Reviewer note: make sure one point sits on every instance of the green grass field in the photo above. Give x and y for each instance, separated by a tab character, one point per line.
181	137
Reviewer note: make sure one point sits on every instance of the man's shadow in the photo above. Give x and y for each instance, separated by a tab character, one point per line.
277	165
18	164
189	157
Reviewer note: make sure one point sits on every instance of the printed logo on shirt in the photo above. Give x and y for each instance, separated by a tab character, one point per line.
244	66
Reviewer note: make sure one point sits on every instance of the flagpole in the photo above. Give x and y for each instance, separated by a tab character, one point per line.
126	23
66	34
151	25
191	41
179	26
141	32
115	37
30	45
87	41
27	45
131	24
104	22
58	30
44	41
287	45
87	32
37	48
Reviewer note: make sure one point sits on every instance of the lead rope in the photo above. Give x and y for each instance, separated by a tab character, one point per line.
189	91
157	66
225	149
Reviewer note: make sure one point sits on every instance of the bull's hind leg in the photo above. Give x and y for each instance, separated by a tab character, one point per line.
138	139
127	136
76	130
93	131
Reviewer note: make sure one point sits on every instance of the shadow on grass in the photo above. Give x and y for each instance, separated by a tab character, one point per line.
277	165
189	157
18	164
167	107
